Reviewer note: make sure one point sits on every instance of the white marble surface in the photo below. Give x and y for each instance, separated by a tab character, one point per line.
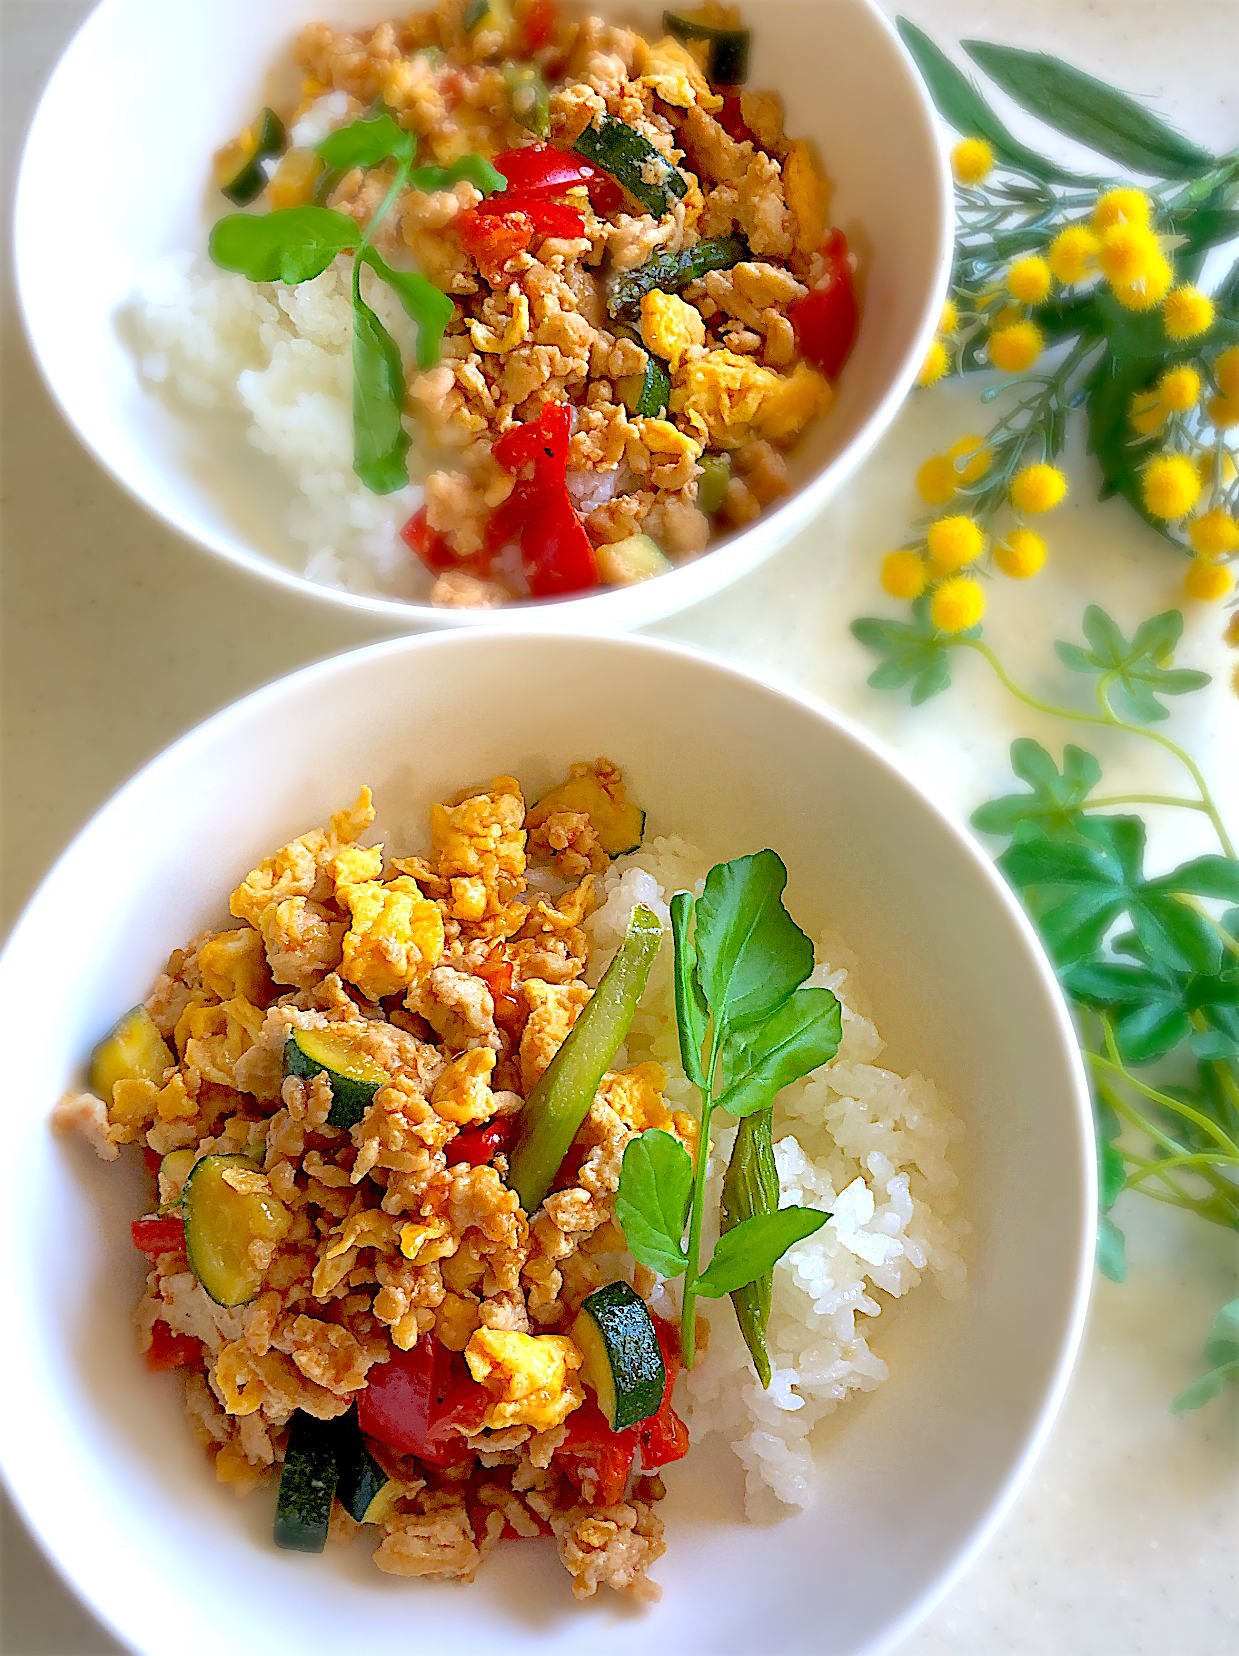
116	638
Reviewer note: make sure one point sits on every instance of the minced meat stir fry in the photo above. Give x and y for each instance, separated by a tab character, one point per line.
333	1095
647	306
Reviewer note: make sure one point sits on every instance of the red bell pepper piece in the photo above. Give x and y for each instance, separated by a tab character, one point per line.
478	1145
152	1158
169	1350
540	443
544	170
538	22
556	553
664	1436
733	122
420	1401
497	975
158	1236
492	238
594	1458
431	547
827	319
548	218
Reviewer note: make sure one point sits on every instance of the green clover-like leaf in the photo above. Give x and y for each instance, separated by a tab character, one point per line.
1056	797
916	652
1133	668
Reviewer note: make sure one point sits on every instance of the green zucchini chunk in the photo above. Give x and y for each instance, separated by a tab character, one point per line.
618	823
712	484
133	1051
647	394
623	1365
633	161
727	63
671	271
560	1102
494	14
239	170
354	1077
307	1484
623	563
364	1490
228	1205
751	1187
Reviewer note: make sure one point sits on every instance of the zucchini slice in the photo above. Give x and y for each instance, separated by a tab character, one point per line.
560	1102
307	1484
623	1365
221	1220
239	169
364	1490
134	1051
174	1169
670	272
632	161
647	394
618	824
712	484
727	61
623	563
354	1077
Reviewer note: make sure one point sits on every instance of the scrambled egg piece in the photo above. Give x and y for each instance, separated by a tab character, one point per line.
670	326
806	193
481	843
462	1093
727	398
354	865
136	1104
427	1241
636	1096
489	339
395	938
553	1009
235	963
531	1377
210	1039
294	869
674	74
366	1228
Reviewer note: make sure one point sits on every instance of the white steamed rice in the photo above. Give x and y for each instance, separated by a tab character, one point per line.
281	358
870	1145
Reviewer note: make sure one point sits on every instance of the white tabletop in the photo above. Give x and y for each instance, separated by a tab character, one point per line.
117	638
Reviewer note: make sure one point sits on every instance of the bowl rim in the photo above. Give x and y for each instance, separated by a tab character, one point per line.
615	607
19	1474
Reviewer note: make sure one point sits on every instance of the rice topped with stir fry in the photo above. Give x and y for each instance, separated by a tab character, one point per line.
627	304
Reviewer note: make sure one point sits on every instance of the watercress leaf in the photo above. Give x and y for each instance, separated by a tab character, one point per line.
291	244
754	1246
801	1033
692	1013
651	1205
751	954
962	106
366	142
380	442
1056	798
1111	1250
422	301
476	170
1210	876
1089	111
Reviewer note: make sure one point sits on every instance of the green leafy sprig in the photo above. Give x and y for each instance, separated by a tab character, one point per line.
1149	964
748	1027
295	244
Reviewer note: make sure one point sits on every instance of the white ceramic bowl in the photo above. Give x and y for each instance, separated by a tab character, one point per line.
914	1476
165	85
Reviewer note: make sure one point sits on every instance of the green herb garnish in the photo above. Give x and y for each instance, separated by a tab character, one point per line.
295	244
747	1028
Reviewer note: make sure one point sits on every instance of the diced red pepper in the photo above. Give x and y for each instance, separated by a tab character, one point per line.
538	22
478	1145
492	238
556	553
497	975
152	1158
664	1436
545	170
419	1402
169	1350
549	218
158	1236
733	122
826	320
431	547
541	443
596	1459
